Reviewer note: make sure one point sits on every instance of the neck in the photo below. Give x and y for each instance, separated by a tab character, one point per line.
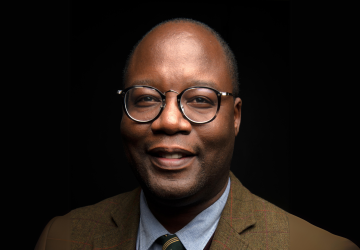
174	218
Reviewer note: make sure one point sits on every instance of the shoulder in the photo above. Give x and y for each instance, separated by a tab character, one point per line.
265	211
270	228
304	235
101	212
261	221
56	234
80	223
258	222
105	217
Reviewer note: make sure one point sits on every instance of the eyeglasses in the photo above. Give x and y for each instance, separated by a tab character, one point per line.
197	104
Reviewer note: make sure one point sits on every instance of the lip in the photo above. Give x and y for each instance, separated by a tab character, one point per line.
171	164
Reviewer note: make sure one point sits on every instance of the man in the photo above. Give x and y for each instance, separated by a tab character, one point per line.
182	114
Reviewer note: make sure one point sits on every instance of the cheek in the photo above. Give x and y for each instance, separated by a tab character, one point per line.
222	127
218	139
131	134
131	130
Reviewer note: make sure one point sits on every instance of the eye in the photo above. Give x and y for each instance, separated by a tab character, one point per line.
147	98
200	103
146	101
199	100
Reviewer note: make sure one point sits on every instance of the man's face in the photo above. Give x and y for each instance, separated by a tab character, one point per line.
178	56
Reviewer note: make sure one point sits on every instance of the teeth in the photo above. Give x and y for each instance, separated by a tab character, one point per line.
171	156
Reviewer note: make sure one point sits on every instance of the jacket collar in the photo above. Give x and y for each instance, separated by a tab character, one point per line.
126	215
236	217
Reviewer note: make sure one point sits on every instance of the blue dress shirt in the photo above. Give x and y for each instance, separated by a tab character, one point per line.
194	236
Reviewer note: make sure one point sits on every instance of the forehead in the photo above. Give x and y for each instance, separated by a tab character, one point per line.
179	55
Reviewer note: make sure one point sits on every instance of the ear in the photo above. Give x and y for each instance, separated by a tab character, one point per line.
237	114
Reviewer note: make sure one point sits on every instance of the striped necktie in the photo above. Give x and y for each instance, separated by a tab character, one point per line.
170	242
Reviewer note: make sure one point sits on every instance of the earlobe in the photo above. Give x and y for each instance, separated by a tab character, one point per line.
237	114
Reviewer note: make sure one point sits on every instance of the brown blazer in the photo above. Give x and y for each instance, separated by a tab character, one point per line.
247	222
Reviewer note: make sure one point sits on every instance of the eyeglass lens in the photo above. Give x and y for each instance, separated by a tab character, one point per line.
198	104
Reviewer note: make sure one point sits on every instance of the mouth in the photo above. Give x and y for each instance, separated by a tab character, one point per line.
171	158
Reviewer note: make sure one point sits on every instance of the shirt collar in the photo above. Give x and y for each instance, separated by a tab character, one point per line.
194	235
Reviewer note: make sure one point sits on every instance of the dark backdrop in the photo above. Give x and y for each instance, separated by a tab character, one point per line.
288	151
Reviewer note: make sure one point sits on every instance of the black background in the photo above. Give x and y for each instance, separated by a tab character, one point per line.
293	149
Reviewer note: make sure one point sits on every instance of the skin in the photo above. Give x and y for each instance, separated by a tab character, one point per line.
177	56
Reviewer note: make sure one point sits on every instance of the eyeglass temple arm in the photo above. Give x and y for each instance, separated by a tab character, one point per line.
225	93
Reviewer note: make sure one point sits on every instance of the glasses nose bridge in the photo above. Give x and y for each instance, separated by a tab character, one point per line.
170	90
176	101
164	97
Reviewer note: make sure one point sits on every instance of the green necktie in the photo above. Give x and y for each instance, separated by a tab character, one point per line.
170	242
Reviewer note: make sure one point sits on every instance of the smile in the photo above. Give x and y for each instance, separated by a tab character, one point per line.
164	163
171	158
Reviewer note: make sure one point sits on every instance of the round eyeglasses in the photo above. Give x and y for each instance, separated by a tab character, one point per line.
197	104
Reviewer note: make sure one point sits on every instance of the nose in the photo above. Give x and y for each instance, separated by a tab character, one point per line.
171	120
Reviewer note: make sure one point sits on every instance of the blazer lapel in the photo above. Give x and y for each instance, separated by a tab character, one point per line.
236	217
126	216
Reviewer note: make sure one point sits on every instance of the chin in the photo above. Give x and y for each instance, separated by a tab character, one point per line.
173	190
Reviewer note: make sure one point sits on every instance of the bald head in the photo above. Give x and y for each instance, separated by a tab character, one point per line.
180	41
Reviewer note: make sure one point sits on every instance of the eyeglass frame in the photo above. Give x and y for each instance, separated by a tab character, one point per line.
219	94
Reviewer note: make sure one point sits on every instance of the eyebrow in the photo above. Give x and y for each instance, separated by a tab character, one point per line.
149	82
203	83
143	82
